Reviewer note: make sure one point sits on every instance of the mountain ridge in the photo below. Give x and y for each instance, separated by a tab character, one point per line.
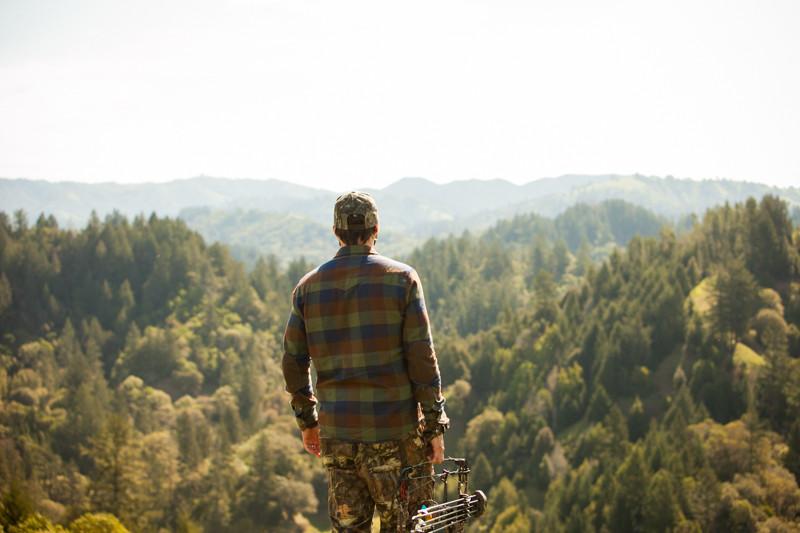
72	202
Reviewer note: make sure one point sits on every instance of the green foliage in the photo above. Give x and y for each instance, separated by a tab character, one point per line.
597	380
15	505
735	299
36	523
661	508
97	523
792	459
570	394
627	510
637	420
190	344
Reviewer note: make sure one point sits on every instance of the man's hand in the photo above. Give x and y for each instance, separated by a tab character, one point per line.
436	450
311	440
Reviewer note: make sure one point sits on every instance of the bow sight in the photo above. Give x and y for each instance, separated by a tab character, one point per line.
449	516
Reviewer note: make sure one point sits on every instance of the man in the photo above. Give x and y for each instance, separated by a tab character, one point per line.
361	318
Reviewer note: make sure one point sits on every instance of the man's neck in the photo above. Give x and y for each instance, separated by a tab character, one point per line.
369	243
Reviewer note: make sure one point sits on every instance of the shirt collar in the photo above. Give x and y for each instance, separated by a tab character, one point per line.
355	249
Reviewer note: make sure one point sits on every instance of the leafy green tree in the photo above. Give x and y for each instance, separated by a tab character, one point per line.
512	520
792	459
627	511
599	405
545	291
637	420
735	514
482	473
503	496
97	523
735	299
770	237
36	523
258	485
570	394
6	294
117	480
153	357
15	505
775	386
159	460
661	507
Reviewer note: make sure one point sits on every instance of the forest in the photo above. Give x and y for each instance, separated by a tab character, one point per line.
604	371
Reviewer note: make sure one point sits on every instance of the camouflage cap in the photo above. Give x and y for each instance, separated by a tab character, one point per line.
355	210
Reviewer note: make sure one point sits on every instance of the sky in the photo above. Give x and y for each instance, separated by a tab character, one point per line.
344	94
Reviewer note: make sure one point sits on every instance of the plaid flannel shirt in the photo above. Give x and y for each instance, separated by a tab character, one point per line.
361	319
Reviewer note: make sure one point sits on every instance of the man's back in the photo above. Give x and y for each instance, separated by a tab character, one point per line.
362	320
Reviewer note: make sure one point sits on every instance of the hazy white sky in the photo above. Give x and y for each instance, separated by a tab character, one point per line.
342	94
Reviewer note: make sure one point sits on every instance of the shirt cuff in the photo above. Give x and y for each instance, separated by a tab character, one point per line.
306	417
435	420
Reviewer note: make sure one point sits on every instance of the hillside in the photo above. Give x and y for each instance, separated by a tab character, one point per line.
288	237
415	208
72	203
652	387
613	403
262	217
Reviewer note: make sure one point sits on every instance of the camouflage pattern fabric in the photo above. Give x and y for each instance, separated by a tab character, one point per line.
355	210
365	476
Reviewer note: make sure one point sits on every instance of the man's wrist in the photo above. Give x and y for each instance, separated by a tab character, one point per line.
435	420
435	428
306	417
429	433
307	425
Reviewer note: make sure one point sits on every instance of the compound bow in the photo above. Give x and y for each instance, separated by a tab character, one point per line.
449	516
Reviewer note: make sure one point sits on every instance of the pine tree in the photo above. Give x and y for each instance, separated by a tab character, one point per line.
545	290
188	444
661	510
776	380
6	294
626	513
599	405
257	489
735	299
481	473
15	505
116	483
637	420
792	458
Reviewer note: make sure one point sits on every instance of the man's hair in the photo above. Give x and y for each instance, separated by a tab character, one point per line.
354	236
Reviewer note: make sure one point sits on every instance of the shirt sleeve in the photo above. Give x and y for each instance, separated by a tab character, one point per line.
423	368
296	366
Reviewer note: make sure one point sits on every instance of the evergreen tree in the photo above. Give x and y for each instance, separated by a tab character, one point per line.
599	405
792	459
776	382
735	299
627	511
258	487
6	294
637	421
661	510
117	481
481	473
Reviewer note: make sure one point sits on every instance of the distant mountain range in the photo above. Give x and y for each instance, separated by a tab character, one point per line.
248	214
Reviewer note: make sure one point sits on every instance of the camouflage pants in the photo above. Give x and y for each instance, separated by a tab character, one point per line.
366	476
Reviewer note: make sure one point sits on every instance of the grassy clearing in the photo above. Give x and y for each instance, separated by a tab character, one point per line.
702	297
743	355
